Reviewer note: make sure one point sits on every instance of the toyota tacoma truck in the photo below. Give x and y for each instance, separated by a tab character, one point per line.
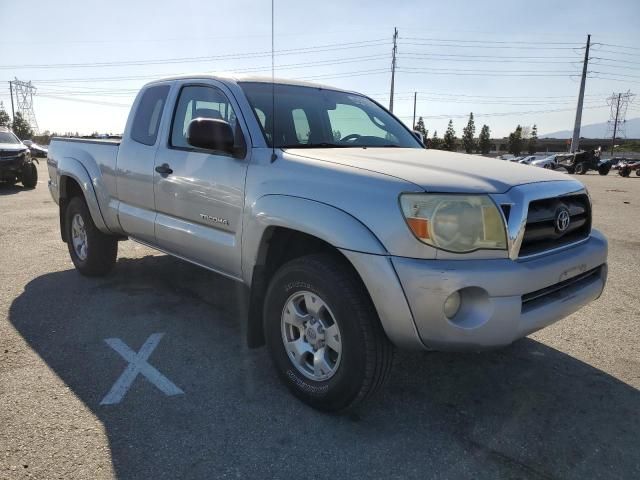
350	237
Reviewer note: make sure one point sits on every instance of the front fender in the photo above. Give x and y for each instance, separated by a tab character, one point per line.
71	168
323	221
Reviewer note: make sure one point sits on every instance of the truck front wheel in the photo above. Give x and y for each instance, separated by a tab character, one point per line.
323	333
93	253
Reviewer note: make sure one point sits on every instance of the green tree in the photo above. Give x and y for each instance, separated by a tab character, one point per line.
21	127
484	140
5	120
515	141
435	141
420	127
449	140
468	133
532	145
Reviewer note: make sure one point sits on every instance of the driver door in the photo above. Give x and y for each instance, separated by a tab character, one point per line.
199	194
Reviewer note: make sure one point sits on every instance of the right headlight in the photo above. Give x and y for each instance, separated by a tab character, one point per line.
456	223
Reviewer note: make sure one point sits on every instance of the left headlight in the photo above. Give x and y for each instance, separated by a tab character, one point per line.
456	223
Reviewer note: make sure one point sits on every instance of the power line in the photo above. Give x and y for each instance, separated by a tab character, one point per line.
618	46
234	56
511	42
95	102
512	47
498	114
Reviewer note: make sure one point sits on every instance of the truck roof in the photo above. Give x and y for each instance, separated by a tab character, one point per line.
233	78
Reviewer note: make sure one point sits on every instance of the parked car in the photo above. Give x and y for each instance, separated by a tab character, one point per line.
348	243
35	149
527	160
16	164
549	162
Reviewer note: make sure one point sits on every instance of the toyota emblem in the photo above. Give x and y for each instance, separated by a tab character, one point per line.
563	219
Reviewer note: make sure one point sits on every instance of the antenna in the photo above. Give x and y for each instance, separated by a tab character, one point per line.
273	88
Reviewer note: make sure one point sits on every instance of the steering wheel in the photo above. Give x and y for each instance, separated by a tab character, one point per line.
351	137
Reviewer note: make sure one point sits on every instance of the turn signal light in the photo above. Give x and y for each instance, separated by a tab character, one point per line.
419	226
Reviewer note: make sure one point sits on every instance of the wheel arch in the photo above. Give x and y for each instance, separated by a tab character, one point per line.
283	228
74	180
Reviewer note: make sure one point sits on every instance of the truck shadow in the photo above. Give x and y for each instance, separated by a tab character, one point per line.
526	411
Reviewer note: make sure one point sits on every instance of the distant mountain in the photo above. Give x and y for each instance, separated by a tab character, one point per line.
599	130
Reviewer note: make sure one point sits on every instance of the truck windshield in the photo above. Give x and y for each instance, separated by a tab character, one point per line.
8	137
312	117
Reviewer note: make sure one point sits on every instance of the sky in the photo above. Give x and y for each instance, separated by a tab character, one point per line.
508	62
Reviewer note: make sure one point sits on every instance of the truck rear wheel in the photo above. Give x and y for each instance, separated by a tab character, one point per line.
323	333
29	175
581	168
93	253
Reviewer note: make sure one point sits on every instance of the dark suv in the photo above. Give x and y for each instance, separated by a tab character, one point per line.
16	164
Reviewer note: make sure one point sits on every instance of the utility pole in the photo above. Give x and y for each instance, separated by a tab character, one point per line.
575	140
415	96
393	67
618	103
24	102
615	124
13	111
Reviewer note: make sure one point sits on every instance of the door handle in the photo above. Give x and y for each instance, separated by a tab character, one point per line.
164	169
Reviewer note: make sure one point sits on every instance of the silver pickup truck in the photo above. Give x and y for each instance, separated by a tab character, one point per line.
349	235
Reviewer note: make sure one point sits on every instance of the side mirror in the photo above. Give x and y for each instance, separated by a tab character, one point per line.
210	134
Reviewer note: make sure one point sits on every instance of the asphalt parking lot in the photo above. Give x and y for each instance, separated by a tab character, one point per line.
562	403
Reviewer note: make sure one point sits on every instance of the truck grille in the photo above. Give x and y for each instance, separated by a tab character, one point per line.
543	232
9	154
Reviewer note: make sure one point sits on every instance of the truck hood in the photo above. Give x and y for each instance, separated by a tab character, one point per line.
436	170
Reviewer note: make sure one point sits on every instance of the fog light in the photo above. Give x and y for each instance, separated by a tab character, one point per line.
452	305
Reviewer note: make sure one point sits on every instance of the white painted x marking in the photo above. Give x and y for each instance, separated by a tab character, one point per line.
137	364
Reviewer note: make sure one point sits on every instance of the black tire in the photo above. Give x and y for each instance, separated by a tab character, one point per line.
29	175
570	170
581	169
638	172
101	249
604	169
624	171
366	352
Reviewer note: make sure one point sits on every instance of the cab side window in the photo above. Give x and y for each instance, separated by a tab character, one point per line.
197	101
147	119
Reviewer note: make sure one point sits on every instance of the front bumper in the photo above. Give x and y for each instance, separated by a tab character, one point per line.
11	166
503	299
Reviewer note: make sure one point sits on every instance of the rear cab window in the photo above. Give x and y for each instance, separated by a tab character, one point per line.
148	114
